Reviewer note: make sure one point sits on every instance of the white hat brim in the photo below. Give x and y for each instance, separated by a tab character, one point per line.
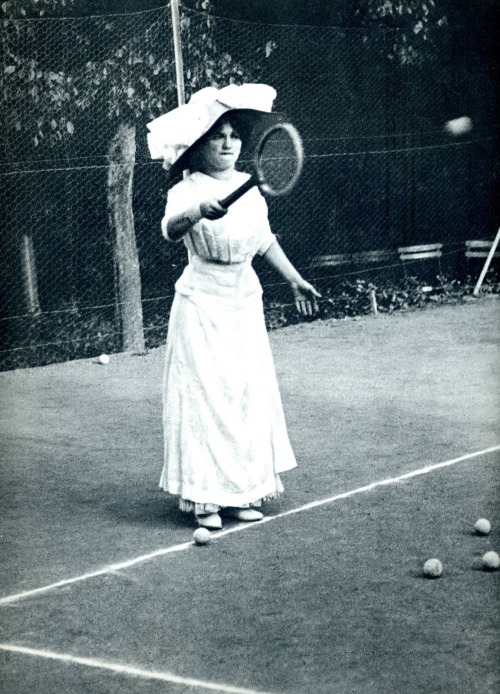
172	134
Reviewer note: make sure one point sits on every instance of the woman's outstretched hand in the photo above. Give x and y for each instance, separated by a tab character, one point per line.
304	293
212	209
305	297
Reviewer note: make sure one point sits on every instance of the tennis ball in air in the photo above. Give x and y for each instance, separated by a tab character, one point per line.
201	536
433	568
482	526
104	359
459	126
491	561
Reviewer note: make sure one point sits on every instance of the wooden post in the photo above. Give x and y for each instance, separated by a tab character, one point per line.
487	263
30	281
373	302
179	67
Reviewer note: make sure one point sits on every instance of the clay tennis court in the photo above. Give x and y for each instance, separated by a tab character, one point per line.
394	421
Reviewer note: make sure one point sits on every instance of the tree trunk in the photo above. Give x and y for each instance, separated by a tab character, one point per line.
127	271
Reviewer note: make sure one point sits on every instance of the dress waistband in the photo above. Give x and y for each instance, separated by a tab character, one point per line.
215	261
226	281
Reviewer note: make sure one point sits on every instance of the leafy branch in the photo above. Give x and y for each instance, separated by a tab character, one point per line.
413	22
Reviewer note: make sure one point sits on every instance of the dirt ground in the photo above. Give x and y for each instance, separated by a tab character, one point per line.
330	600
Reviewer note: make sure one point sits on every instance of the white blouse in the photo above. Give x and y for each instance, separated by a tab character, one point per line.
234	238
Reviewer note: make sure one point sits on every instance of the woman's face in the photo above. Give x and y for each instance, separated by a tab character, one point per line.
221	149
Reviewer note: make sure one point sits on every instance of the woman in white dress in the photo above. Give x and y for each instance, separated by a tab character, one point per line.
226	443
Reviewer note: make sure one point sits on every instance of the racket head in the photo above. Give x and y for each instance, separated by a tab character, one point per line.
279	159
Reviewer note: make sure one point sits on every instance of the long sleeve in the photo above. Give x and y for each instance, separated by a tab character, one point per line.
241	234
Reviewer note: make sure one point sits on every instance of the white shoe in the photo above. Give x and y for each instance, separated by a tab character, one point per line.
247	515
211	521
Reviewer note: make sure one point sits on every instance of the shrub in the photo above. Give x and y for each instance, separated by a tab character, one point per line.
351	298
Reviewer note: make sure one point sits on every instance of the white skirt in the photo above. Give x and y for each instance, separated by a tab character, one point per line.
225	434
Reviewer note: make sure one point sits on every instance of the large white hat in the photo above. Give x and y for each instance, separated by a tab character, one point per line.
172	134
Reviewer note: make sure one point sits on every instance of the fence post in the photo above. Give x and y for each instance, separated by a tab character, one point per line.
30	280
179	67
373	302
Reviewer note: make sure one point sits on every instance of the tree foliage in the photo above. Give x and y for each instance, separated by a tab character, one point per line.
131	75
113	66
29	79
413	24
35	8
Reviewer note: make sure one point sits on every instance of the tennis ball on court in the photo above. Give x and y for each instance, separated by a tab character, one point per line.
201	536
482	526
433	568
491	561
104	359
459	126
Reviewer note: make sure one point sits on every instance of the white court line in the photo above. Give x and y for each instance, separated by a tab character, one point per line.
127	670
112	568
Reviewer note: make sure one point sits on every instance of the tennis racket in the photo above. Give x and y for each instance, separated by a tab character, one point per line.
278	161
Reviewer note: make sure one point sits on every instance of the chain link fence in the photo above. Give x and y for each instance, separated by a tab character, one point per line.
381	173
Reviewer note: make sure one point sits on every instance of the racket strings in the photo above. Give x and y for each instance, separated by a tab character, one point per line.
279	161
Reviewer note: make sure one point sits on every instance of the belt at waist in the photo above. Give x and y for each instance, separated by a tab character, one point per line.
216	261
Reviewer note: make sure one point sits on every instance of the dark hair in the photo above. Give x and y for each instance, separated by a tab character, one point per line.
248	123
239	121
233	120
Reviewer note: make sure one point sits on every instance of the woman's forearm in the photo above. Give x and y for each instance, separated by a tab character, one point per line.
306	296
176	226
276	257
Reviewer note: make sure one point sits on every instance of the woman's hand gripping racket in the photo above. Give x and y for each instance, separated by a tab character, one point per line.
278	160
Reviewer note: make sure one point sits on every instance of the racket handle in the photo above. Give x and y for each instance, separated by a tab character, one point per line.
236	194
